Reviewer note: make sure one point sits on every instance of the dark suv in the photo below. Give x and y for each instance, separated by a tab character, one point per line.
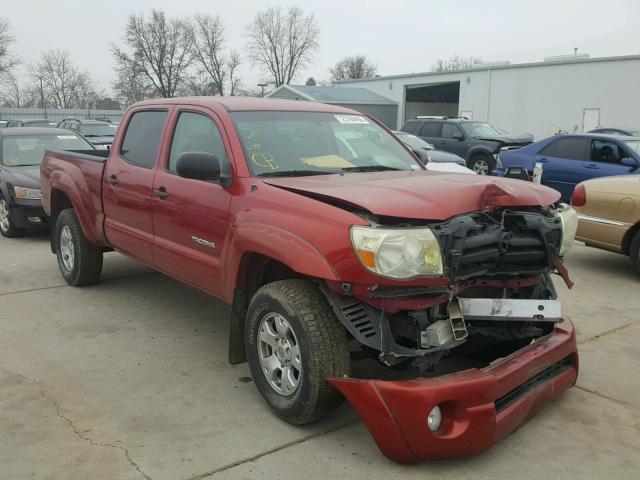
479	143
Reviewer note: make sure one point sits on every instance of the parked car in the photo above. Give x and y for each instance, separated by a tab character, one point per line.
21	151
12	123
609	215
43	123
479	143
428	152
324	232
98	132
570	159
627	132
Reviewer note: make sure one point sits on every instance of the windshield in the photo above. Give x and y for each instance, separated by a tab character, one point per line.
415	142
98	130
481	129
23	151
634	145
311	143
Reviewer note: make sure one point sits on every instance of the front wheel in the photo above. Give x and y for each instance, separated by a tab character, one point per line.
80	262
482	164
7	227
294	343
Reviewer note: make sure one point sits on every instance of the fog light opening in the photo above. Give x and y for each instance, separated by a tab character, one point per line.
434	419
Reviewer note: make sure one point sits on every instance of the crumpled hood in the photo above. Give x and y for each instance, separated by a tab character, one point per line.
420	195
28	177
510	139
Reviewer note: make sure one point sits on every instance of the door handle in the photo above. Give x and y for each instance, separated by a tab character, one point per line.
113	180
592	166
161	193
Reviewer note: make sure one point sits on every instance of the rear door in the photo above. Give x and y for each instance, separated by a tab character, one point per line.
191	217
562	163
128	181
604	161
431	132
452	140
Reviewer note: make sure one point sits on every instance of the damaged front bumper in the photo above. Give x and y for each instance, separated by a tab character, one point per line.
479	406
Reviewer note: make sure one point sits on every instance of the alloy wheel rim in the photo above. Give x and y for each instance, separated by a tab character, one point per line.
481	167
4	216
279	354
67	249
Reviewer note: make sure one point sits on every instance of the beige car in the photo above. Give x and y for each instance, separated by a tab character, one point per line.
609	214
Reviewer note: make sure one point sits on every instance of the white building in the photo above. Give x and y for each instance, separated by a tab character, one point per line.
573	93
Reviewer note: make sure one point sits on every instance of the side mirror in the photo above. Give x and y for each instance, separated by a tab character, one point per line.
198	166
458	137
422	155
629	162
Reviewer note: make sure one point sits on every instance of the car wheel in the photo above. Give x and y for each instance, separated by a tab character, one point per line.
634	252
482	164
80	262
7	228
294	343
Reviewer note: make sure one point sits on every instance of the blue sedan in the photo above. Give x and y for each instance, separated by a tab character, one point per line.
567	160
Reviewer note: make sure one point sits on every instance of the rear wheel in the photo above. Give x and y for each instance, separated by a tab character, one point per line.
80	262
7	227
634	252
481	163
294	343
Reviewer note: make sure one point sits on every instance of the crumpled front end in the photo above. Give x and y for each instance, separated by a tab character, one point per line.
479	406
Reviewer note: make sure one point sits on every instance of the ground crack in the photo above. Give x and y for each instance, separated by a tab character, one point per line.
74	427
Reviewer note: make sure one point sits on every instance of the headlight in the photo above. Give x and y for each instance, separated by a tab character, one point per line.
569	220
398	253
28	193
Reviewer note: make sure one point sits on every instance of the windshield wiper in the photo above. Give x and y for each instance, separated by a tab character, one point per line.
370	168
293	173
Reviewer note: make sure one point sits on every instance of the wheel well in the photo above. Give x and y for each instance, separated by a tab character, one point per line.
255	271
59	202
628	238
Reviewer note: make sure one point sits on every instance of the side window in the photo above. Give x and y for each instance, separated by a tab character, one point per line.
431	129
142	138
449	130
196	133
549	150
571	148
411	127
605	151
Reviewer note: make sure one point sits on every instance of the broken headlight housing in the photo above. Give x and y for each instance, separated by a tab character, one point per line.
400	253
569	220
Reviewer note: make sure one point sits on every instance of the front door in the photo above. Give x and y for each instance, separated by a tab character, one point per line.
605	159
191	217
128	179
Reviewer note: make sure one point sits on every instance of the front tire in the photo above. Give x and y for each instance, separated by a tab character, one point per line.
634	252
482	164
7	227
80	262
294	343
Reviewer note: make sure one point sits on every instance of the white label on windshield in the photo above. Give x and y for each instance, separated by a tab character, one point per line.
67	137
351	119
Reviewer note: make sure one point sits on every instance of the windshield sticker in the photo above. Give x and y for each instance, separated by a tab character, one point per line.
352	119
265	160
67	137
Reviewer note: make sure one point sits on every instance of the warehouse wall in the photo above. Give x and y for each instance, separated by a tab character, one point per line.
535	97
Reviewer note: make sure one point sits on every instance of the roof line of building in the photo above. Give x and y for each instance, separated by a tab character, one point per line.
340	102
480	68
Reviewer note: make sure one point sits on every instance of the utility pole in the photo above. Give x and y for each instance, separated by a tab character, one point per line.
44	105
262	85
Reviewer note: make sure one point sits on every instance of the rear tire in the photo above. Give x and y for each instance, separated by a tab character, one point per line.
482	163
80	262
294	343
7	227
634	252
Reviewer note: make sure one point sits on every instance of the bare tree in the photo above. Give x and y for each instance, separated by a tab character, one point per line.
62	85
7	60
158	48
233	62
455	63
282	42
356	66
12	93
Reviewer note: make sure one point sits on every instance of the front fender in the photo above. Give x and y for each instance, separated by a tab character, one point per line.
297	253
488	148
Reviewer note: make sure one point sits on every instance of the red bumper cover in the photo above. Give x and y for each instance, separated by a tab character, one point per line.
479	407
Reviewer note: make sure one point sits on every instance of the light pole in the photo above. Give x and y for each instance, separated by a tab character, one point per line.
44	105
262	85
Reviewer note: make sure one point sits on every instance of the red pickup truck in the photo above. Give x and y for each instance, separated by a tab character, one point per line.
335	246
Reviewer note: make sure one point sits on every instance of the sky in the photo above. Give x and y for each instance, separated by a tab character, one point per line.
400	36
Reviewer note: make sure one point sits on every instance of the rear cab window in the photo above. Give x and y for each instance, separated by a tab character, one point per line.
143	137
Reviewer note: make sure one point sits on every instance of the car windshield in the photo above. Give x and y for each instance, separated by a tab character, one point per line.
415	142
313	143
634	145
24	151
480	129
98	130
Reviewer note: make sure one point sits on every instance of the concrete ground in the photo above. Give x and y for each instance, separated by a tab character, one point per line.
128	379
